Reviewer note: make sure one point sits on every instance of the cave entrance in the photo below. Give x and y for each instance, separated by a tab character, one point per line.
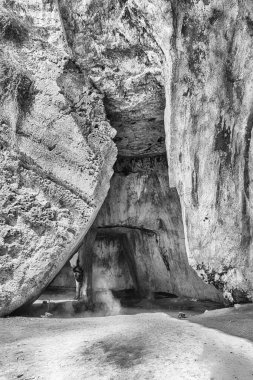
114	265
138	243
107	259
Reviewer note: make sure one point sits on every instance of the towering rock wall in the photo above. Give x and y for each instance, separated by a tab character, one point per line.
56	153
207	54
201	51
63	63
209	128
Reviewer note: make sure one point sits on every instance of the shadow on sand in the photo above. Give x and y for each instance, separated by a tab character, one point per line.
235	321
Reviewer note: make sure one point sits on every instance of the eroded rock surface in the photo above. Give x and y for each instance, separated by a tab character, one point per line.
140	241
56	152
124	61
131	57
144	212
209	138
201	52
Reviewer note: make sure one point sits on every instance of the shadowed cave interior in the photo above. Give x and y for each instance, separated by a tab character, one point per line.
135	251
136	247
135	239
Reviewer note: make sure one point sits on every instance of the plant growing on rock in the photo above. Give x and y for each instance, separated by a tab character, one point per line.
16	84
12	28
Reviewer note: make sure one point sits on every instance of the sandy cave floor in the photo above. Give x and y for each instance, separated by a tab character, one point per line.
145	342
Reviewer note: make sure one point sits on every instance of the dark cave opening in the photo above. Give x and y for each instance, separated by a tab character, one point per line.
138	230
135	249
139	250
113	265
134	252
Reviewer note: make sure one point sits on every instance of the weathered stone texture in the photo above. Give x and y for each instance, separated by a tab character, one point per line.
209	128
202	51
123	60
62	63
140	236
145	212
56	151
206	50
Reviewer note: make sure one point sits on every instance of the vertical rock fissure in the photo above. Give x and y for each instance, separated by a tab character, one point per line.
246	228
195	179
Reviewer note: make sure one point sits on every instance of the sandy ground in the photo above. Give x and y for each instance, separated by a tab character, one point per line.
237	321
142	346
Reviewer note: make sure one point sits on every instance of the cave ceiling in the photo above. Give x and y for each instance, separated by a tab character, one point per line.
124	62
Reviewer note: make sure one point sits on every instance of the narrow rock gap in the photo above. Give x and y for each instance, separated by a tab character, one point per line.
139	248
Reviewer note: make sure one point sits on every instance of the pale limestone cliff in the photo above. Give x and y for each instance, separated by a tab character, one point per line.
208	128
56	152
68	61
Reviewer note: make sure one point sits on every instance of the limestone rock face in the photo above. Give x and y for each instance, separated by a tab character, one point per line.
140	241
144	213
209	138
67	66
114	46
56	154
201	52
